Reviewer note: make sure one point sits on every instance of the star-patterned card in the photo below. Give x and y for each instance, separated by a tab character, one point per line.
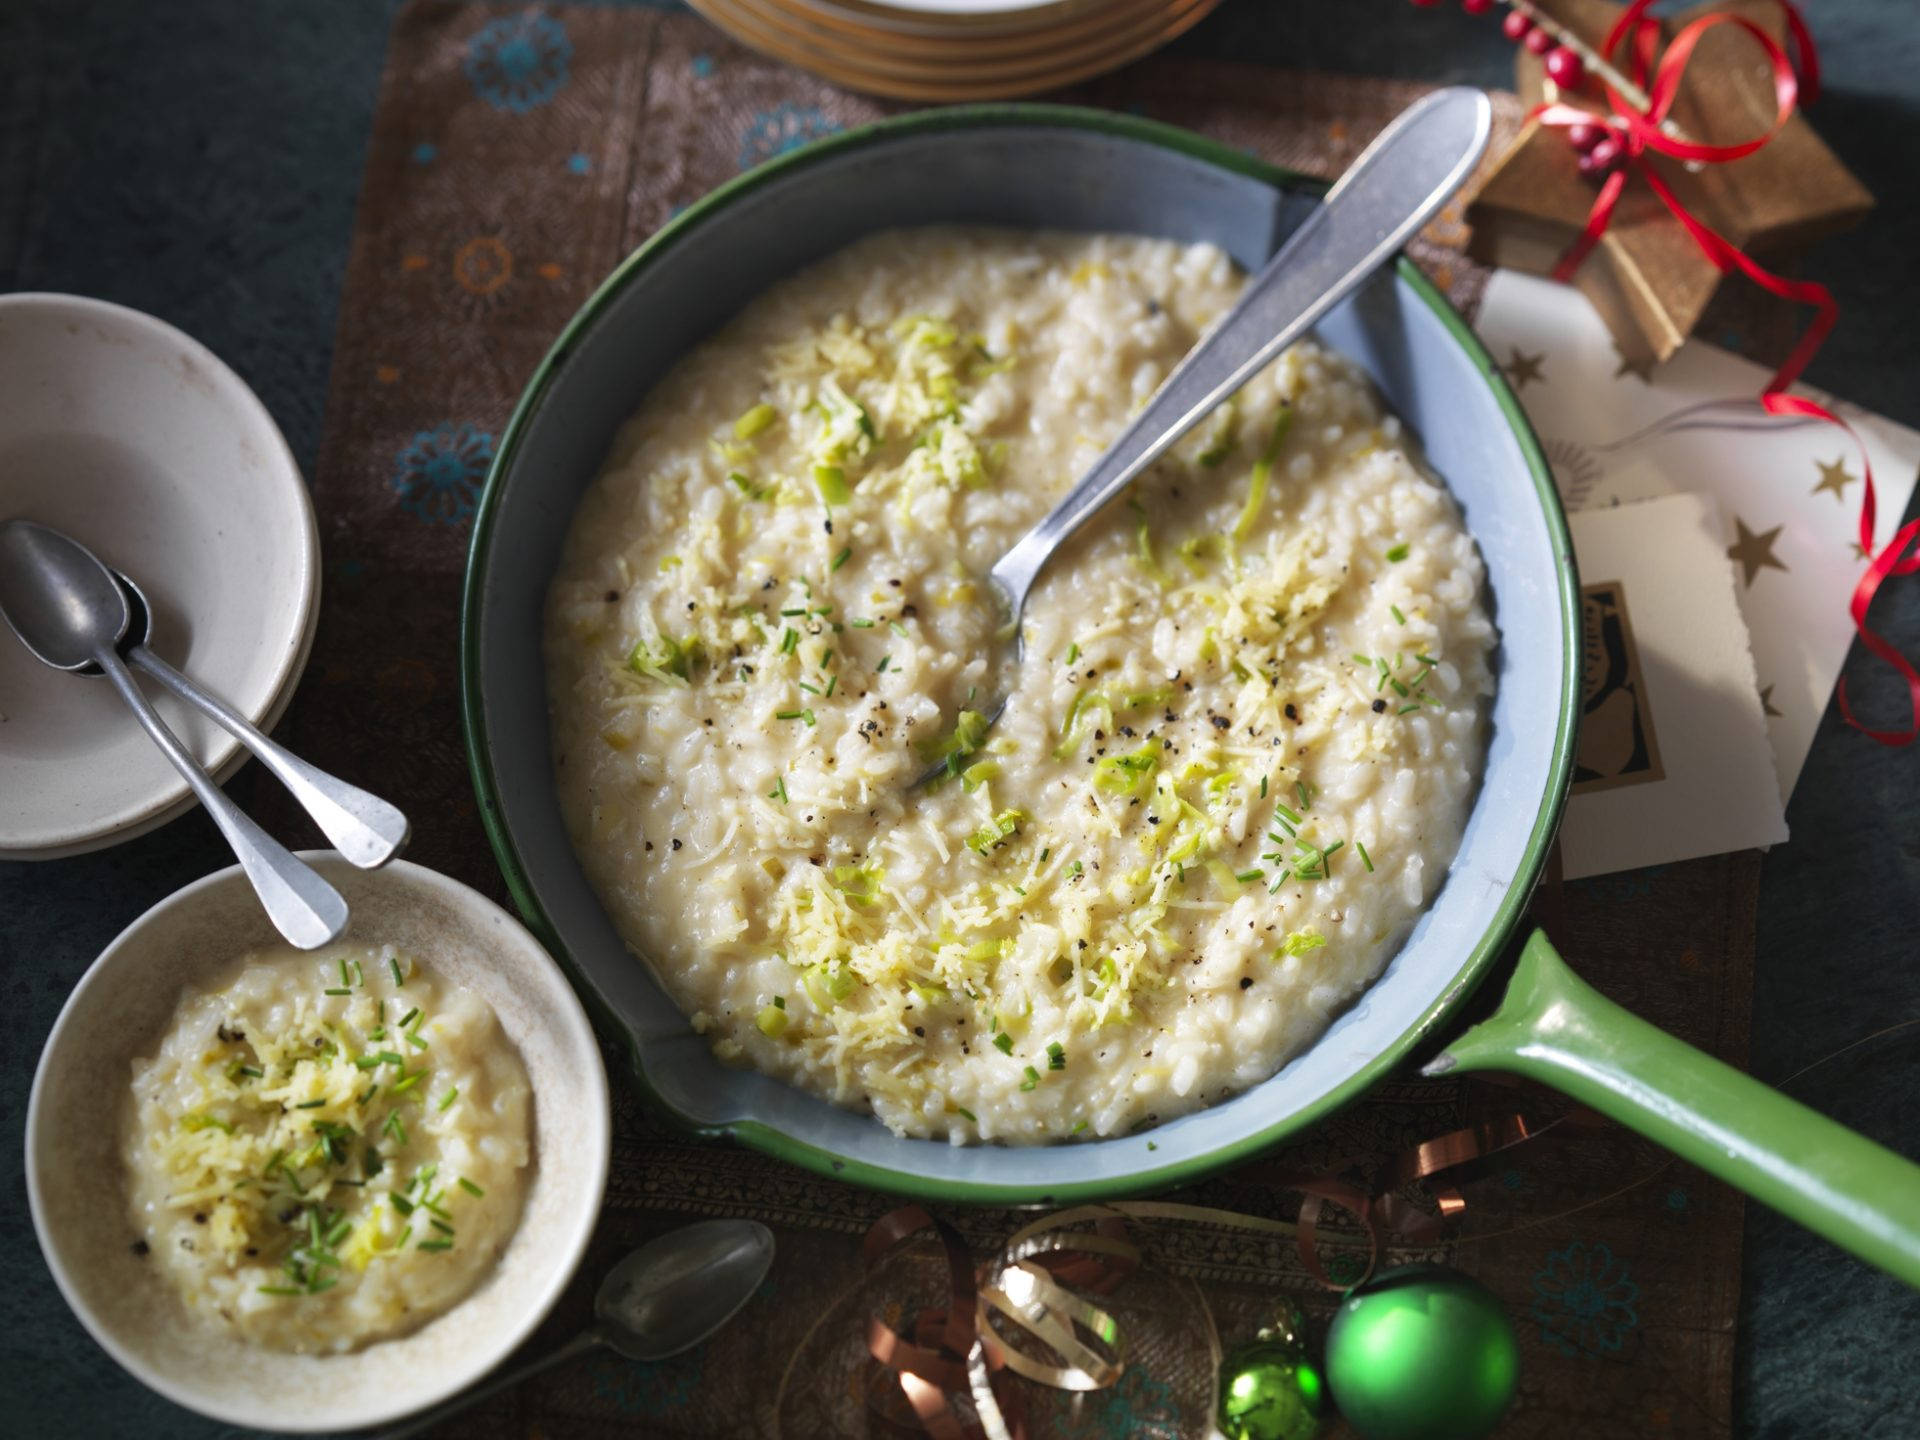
1673	760
1617	431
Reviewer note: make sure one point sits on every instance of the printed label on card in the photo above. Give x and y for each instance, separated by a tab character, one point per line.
1618	745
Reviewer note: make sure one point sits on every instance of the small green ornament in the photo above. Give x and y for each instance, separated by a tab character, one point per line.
1422	1353
1269	1390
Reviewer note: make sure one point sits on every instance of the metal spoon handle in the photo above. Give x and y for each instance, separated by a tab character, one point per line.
363	827
1392	189
501	1380
303	907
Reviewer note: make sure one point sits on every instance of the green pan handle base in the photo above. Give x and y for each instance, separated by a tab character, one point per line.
1555	1028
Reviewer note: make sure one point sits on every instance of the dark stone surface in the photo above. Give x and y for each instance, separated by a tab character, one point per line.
201	162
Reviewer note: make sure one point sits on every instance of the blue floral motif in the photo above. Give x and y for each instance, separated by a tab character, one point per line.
1583	1301
785	127
702	66
519	63
648	1388
438	473
1139	1405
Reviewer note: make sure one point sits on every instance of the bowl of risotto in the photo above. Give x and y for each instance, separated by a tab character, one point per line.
1281	755
317	1190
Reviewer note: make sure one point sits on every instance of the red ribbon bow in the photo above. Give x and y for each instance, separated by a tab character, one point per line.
1638	131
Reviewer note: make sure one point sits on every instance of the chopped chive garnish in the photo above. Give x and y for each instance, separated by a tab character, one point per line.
1305	792
1283	811
395	1127
1360	659
434	1245
408	1018
1075	869
1426	659
1003	1042
966	1113
846	554
1406	709
789	637
1365	859
1078	1128
1032	1080
441	1226
1073	652
1395	611
897	628
394	966
833	683
810	689
1249	877
779	791
786	714
1263	787
310	1104
407	1080
336	990
471	1188
885	660
1056	1056
346	973
278	1290
400	1202
861	624
795	610
448	1098
1397	553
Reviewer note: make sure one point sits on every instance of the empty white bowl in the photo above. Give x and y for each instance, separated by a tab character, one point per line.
76	1184
137	440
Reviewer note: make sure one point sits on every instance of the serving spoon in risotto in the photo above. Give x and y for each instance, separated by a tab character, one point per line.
1395	186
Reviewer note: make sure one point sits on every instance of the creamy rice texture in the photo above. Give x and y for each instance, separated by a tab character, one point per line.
1234	766
328	1149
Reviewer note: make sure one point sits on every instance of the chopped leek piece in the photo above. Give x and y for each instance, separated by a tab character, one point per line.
754	421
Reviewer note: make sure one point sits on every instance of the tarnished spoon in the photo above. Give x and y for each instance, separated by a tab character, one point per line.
1393	188
667	1296
71	613
363	827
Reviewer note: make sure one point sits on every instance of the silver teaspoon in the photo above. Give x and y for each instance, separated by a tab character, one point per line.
667	1296
363	827
1393	188
70	613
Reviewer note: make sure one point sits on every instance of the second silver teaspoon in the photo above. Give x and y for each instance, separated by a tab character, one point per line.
365	829
666	1297
68	609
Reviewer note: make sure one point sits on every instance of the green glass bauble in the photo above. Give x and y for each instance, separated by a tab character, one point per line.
1422	1353
1270	1391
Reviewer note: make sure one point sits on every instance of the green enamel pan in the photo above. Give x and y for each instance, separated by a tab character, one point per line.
1028	165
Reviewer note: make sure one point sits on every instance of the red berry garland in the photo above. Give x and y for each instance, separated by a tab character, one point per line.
1566	67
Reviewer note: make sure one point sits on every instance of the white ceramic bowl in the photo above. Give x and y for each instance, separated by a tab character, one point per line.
76	1189
139	442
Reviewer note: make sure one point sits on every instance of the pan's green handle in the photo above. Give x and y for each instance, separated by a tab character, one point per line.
1555	1028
